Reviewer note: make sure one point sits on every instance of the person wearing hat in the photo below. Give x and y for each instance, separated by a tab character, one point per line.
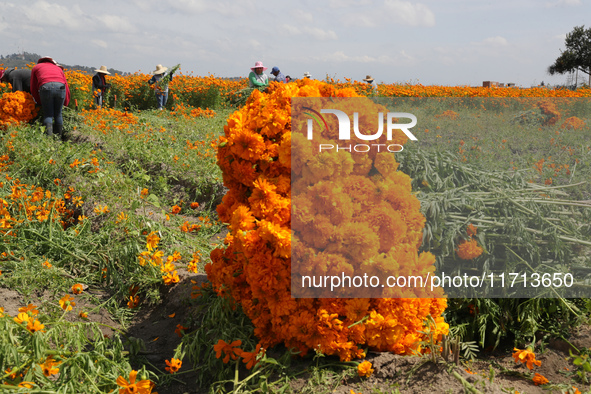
369	79
279	77
20	79
100	85
256	78
307	75
49	87
160	89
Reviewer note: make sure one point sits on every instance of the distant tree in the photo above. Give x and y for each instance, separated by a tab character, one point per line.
577	55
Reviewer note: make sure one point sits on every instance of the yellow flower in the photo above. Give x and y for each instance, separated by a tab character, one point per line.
67	302
527	357
152	241
365	369
49	366
22	318
122	217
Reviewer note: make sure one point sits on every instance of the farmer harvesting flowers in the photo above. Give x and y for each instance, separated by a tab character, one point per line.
100	85
50	88
256	78
19	79
160	82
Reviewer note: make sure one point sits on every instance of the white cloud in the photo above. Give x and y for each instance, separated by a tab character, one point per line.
559	3
48	14
116	23
495	41
309	31
302	16
99	43
405	12
320	34
362	20
341	57
391	12
192	6
254	44
348	3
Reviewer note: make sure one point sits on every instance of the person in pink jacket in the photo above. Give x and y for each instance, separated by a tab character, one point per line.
50	89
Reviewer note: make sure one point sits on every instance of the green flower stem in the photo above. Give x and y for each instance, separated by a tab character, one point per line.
13	371
84	260
531	230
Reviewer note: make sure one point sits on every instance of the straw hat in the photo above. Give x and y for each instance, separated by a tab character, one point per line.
258	65
368	78
46	59
307	75
160	69
102	70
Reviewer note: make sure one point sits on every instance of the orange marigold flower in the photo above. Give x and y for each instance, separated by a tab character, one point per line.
144	192
29	308
540	379
49	367
152	241
133	302
471	230
194	205
365	369
526	357
67	302
469	250
47	264
77	288
35	325
180	330
251	358
175	209
229	349
170	278
83	315
133	387
173	365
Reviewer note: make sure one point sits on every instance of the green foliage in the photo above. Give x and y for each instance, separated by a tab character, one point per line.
87	361
583	366
577	55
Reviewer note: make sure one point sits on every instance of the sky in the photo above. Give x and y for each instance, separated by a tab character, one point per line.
431	42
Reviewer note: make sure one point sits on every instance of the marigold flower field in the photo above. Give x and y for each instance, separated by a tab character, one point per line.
130	206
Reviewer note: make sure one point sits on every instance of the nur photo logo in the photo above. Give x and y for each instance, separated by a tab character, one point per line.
344	129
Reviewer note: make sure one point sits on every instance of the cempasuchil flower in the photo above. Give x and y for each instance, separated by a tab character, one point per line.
291	209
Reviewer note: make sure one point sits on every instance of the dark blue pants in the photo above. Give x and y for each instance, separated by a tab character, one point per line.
53	95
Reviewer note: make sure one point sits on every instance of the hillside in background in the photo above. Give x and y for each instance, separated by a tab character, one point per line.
21	60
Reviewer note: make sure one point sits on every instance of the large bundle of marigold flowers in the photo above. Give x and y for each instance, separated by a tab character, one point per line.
15	108
254	267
